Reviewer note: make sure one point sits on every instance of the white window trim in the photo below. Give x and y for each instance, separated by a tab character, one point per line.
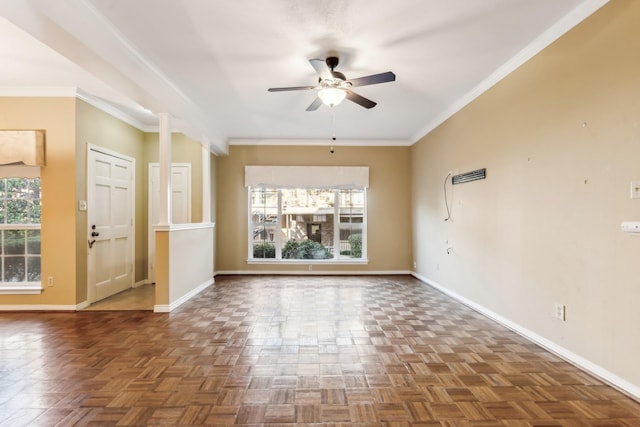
278	235
24	288
28	289
337	261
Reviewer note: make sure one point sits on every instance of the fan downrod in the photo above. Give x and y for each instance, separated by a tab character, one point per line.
332	62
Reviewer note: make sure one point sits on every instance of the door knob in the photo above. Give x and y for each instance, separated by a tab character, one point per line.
94	234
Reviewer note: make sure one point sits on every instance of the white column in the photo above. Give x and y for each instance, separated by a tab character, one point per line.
206	184
164	158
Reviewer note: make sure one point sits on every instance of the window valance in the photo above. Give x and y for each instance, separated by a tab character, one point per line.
22	147
338	177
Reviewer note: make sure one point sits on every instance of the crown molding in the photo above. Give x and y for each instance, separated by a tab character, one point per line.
323	142
74	92
114	111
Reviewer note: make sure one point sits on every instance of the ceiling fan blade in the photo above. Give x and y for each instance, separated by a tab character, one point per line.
315	104
321	67
360	100
283	89
373	79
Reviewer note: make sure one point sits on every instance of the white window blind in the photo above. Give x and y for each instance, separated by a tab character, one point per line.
336	177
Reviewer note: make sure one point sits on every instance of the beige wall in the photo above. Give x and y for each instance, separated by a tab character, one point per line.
389	228
56	116
560	139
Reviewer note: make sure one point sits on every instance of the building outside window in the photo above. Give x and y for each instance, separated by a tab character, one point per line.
307	223
20	208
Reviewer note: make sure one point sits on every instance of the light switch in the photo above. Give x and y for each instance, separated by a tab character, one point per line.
82	205
635	189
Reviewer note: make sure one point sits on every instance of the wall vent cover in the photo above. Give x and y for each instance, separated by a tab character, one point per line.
469	176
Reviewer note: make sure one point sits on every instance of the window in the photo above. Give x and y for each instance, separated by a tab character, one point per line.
301	223
264	214
20	233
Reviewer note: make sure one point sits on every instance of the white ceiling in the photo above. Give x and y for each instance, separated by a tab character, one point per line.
208	63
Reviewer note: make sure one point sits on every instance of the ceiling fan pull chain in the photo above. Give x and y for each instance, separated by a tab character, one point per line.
333	124
333	128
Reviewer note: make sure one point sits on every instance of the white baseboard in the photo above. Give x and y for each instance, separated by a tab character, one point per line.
83	305
167	308
311	273
37	307
613	380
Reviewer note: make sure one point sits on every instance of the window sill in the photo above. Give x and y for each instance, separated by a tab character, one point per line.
308	261
20	290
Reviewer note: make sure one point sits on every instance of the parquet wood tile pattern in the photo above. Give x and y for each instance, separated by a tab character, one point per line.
278	351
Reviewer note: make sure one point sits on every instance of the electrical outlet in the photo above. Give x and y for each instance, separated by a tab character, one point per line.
310	267
560	312
50	281
415	264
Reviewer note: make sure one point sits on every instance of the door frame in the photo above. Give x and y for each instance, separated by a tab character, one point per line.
151	231
90	266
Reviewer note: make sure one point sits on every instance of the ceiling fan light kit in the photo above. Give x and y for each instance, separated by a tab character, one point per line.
333	87
332	96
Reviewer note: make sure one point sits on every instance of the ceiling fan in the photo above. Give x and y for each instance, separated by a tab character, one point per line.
333	86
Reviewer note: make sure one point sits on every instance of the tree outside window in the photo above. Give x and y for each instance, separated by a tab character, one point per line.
301	223
20	208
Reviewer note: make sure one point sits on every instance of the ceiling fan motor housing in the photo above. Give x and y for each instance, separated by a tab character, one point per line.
332	62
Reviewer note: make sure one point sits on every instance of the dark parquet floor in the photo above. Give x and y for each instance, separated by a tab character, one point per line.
276	351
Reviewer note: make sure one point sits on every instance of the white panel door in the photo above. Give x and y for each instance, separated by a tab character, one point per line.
110	213
180	204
